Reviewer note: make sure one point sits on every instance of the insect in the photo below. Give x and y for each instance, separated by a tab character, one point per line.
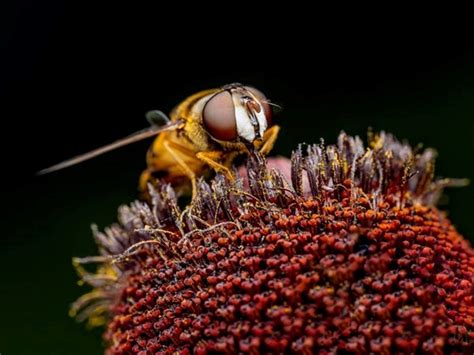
205	132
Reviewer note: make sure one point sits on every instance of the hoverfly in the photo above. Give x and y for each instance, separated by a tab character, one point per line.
206	131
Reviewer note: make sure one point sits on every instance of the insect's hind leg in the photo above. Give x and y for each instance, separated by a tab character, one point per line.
145	178
149	177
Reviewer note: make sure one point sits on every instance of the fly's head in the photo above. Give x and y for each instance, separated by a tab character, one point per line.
237	114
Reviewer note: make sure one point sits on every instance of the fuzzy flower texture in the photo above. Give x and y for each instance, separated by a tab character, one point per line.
347	255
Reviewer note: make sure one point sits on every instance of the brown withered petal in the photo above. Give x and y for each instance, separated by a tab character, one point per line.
359	261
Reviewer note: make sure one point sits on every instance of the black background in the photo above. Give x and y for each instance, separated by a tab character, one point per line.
75	76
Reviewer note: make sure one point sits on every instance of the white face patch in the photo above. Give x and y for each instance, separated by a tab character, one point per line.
245	129
244	125
262	120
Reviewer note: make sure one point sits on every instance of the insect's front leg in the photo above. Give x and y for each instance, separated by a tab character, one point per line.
211	158
269	138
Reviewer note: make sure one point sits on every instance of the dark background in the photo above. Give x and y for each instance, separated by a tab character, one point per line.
74	77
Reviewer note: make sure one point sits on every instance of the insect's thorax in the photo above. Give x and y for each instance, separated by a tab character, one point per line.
185	142
191	111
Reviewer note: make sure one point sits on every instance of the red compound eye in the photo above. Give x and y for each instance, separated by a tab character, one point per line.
218	117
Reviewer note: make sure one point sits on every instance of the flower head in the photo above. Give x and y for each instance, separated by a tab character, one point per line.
351	255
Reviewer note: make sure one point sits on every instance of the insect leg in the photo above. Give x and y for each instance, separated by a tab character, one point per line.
210	158
269	138
172	150
145	177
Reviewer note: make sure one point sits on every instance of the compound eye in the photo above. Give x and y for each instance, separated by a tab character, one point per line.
218	117
267	108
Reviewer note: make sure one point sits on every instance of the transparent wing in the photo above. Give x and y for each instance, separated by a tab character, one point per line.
157	118
134	137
